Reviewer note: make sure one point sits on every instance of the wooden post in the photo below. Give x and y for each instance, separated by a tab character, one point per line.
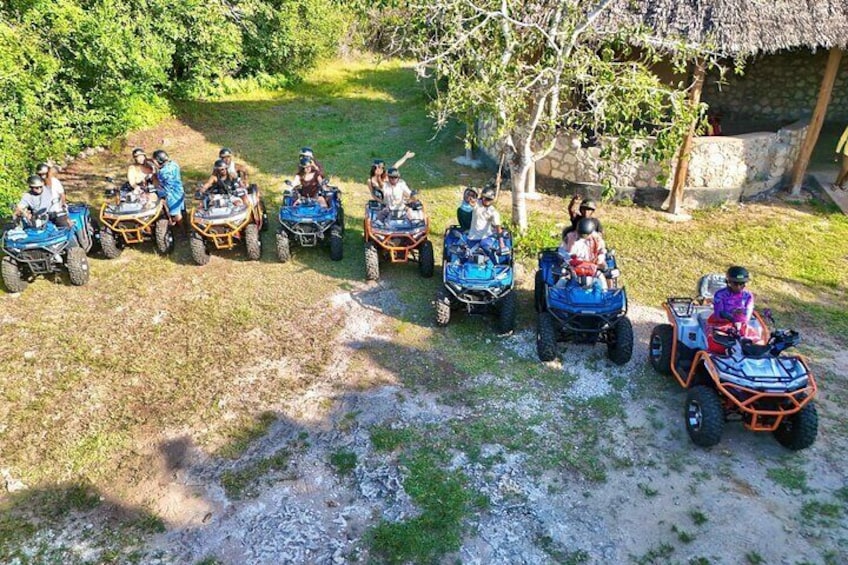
813	131
676	196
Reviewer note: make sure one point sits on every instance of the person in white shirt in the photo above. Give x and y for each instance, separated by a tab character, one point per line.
52	182
587	245
42	197
486	229
396	194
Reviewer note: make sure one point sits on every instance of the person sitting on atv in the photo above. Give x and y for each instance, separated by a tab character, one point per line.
585	245
485	225
396	196
169	185
579	209
42	197
48	175
308	180
466	209
378	176
307	152
733	307
221	181
234	169
141	171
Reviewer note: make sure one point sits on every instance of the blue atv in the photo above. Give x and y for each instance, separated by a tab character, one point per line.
308	223
474	281
734	373
573	306
36	246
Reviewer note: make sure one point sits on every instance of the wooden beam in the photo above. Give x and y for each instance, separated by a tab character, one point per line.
675	205
813	131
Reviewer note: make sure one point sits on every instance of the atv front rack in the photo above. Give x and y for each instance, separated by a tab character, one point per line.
141	221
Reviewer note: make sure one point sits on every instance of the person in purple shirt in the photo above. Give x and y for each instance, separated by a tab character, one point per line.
734	303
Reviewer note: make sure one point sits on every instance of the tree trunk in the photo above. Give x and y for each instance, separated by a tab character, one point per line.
675	203
530	192
519	174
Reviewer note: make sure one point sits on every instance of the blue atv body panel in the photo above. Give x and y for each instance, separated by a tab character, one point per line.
308	222
471	276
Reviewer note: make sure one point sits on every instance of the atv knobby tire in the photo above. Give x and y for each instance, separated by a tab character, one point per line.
263	214
546	337
340	218
799	430
704	416
507	311
539	292
164	236
77	264
659	348
283	247
372	262
199	253
442	306
427	263
620	345
13	277
252	242
109	243
336	243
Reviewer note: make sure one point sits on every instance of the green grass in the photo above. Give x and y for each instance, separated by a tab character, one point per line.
792	478
344	462
240	437
243	483
389	439
819	513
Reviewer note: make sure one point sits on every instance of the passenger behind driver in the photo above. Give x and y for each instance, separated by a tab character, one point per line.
585	245
466	209
486	230
141	171
234	169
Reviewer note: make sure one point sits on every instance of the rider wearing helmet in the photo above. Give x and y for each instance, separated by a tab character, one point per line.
378	176
466	209
142	169
42	197
170	184
234	169
307	152
486	224
221	179
309	179
579	209
734	303
586	245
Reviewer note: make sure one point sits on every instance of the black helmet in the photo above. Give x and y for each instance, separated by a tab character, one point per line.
138	151
737	274
488	193
470	191
588	205
379	163
305	161
586	226
393	173
42	169
160	156
220	164
225	152
35	181
306	152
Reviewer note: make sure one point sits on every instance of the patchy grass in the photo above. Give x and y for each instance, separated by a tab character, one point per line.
698	517
344	462
240	437
792	478
389	439
243	483
819	513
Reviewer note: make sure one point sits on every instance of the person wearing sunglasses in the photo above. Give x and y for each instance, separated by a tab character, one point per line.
734	303
378	176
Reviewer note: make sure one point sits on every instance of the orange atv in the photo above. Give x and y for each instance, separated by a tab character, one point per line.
398	236
225	217
131	216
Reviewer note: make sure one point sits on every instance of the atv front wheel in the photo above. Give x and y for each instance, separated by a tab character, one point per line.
336	243
704	416
164	236
77	264
507	310
340	217
264	214
659	349
442	305
539	292
620	346
13	278
546	334
427	263
283	247
109	243
199	253
252	242
799	430
372	262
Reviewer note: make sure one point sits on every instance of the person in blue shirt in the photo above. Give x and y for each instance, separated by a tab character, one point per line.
170	185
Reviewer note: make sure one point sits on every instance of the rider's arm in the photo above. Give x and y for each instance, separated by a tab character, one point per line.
241	172
574	206
208	184
406	156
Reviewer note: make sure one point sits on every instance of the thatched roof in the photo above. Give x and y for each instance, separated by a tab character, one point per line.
739	27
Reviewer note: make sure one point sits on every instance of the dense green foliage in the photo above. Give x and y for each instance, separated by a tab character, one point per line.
76	73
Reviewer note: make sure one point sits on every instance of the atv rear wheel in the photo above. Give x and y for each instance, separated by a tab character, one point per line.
704	416
546	334
283	247
799	430
340	218
442	306
109	243
427	263
507	311
264	214
336	243
164	236
13	277
659	349
199	253
539	292
253	242
620	346
372	262
77	264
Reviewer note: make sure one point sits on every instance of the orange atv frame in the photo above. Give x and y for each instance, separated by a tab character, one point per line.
227	239
755	418
132	227
398	245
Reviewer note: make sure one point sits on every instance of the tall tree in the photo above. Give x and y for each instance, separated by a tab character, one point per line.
540	68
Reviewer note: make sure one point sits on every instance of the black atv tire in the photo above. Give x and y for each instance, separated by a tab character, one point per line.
799	430
264	215
109	243
283	247
199	253
372	262
340	218
507	312
442	307
546	337
539	292
253	242
13	277
704	416
659	348
336	243
94	230
164	236
426	260
620	346
77	264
